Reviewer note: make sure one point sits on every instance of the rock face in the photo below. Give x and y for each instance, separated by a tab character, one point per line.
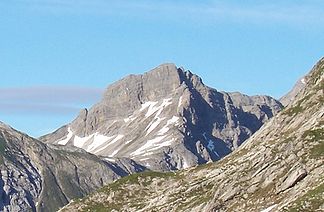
290	96
280	168
166	119
39	177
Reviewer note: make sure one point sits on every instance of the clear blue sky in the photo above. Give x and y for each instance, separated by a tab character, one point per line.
58	55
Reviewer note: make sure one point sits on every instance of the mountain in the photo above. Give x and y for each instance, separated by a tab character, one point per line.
39	177
166	119
291	95
279	168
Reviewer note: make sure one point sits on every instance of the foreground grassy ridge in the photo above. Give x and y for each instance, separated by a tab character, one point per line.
128	190
316	136
137	178
135	192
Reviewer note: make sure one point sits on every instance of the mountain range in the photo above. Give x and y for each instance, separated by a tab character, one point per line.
268	157
279	168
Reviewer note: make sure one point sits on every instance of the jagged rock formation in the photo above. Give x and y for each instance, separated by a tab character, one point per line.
280	168
166	119
291	95
39	177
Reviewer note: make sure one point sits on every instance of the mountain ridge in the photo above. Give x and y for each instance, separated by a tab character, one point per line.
169	115
40	177
279	168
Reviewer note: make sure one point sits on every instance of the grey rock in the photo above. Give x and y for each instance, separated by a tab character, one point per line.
291	95
279	168
39	177
293	177
166	119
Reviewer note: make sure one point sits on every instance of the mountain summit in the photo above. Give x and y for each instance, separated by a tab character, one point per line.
166	119
279	168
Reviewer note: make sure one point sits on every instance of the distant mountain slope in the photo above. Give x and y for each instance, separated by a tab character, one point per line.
291	95
166	119
280	168
38	177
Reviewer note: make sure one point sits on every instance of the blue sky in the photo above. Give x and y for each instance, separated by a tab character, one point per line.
57	56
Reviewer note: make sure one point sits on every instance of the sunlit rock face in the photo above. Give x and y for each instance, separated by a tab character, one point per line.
166	119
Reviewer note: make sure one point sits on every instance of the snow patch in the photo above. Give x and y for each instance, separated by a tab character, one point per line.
157	120
185	164
114	153
210	145
148	144
110	159
165	129
153	109
205	137
173	120
163	144
127	142
303	81
68	137
129	119
118	137
147	104
180	102
152	144
269	208
148	153
153	125
80	141
98	140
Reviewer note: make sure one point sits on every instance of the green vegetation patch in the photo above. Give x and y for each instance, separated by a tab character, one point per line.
318	150
100	207
294	110
128	190
311	201
316	75
199	195
135	179
316	135
298	108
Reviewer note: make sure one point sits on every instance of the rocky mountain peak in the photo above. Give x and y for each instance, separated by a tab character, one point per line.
166	119
315	77
312	77
127	95
153	85
279	168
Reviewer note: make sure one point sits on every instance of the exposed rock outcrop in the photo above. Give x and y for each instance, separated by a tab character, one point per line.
166	119
39	177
